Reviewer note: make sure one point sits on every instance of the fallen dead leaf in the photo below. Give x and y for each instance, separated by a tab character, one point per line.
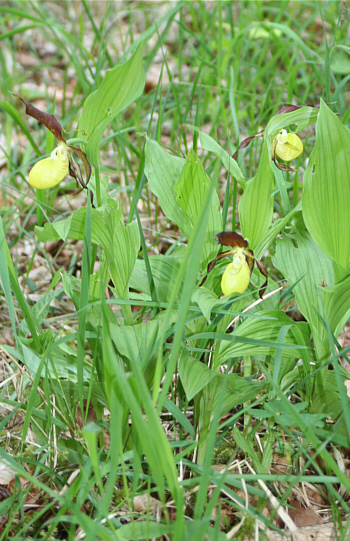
303	516
91	415
315	495
41	275
6	473
146	503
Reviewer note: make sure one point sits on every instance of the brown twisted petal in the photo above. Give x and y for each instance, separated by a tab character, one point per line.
47	119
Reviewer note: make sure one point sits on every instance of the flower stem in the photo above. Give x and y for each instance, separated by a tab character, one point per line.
247	372
98	190
40	198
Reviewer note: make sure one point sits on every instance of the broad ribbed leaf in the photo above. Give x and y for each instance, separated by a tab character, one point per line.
163	171
337	304
264	331
121	86
326	197
208	143
122	249
73	227
138	342
194	375
206	301
120	243
191	194
300	119
165	270
300	260
256	204
272	233
237	391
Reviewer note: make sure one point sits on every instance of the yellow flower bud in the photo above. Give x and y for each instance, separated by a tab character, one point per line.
288	146
236	276
50	171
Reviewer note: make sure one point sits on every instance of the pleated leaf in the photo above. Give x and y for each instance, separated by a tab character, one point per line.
256	204
301	260
121	86
165	270
163	171
191	194
136	342
260	337
194	375
122	250
326	196
208	143
337	304
73	227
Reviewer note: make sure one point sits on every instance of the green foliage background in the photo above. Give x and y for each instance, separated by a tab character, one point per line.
138	338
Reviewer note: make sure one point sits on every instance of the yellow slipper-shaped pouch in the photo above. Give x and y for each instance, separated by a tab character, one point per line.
288	146
50	171
236	276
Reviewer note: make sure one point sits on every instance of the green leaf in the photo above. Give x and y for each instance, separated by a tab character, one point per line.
62	363
138	342
206	301
145	530
121	86
238	390
326	196
5	283
278	411
165	270
191	194
272	233
340	62
247	446
73	227
264	331
194	375
301	118
163	171
123	245
300	260
208	143
40	310
120	243
337	304
256	204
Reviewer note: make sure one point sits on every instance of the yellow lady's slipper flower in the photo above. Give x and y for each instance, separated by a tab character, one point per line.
236	276
288	146
50	171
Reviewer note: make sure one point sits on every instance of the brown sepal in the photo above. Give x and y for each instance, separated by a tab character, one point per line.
249	257
85	161
282	166
246	142
230	238
47	119
74	171
213	263
288	108
263	271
